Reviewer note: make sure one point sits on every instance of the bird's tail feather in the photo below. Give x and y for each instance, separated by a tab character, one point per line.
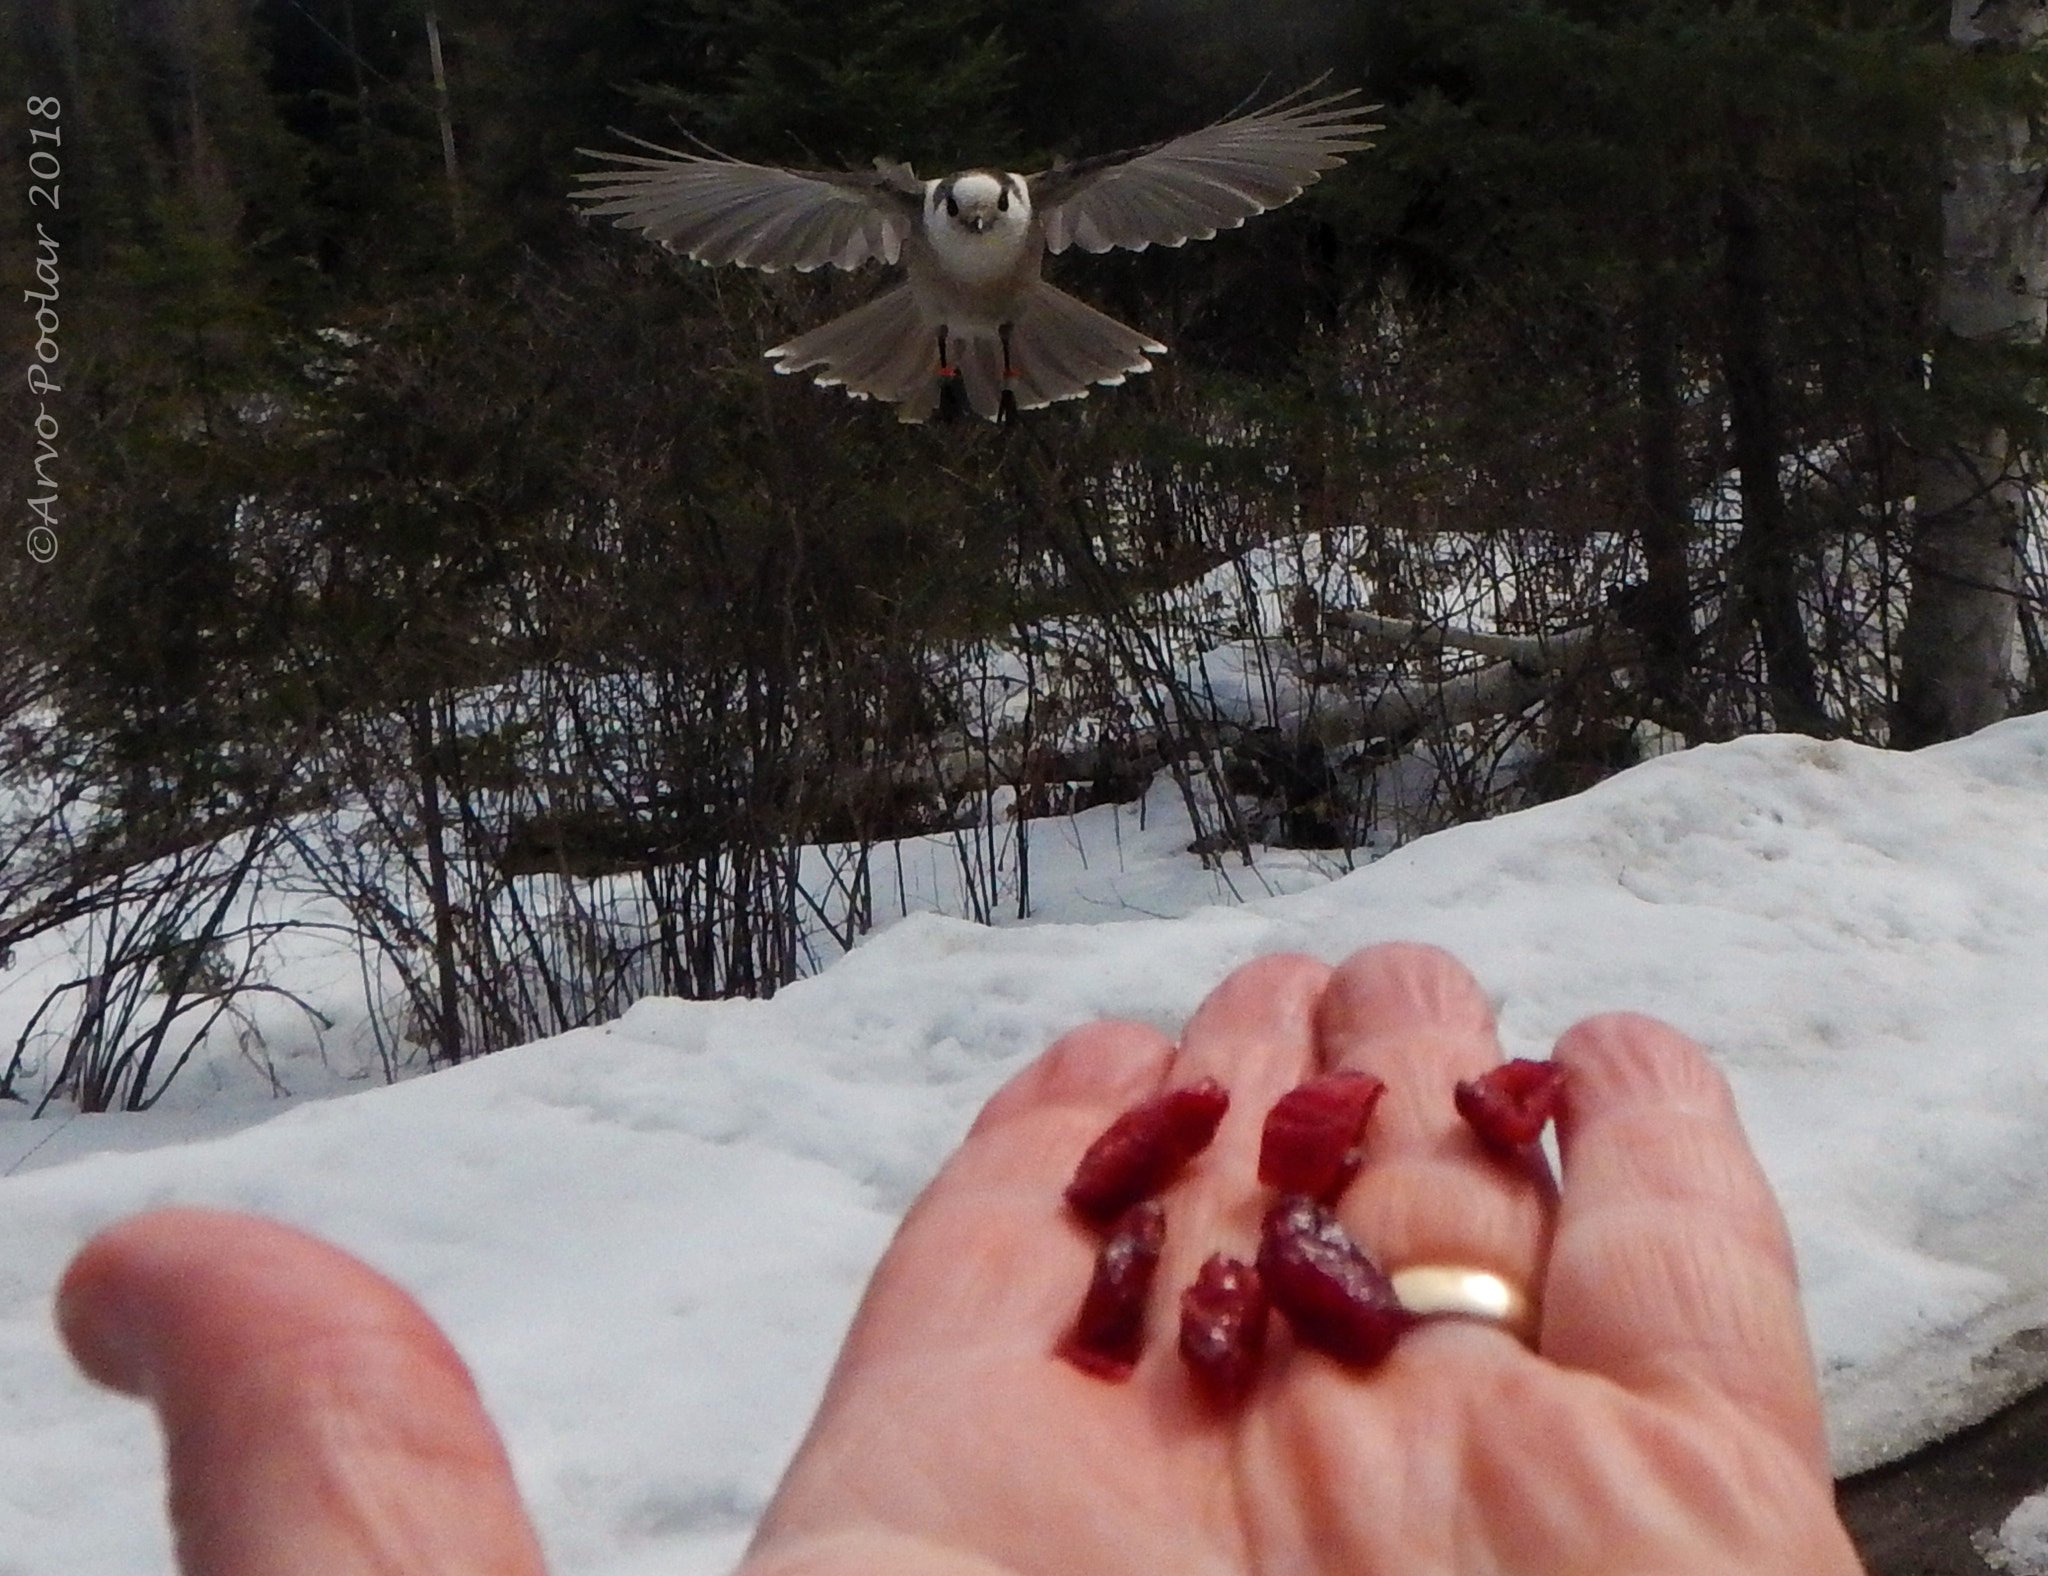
886	350
1059	346
883	350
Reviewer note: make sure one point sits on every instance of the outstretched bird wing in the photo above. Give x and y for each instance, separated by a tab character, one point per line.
720	210
1190	187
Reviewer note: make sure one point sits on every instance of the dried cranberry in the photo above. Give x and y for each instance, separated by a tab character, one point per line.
1143	1149
1334	1296
1310	1144
1110	1329
1223	1326
1508	1105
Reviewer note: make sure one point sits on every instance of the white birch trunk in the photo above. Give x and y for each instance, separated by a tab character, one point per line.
1955	652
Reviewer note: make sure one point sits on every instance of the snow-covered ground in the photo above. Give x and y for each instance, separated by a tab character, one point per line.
648	1238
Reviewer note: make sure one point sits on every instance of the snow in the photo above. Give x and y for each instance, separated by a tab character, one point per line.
647	1238
2020	1546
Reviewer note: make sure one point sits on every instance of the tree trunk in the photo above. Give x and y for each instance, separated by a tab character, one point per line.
1765	563
1955	653
1664	611
447	1017
446	118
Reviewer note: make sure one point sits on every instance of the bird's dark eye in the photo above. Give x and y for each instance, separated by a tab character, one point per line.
1003	201
952	207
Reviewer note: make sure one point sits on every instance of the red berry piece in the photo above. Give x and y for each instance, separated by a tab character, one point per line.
1144	1149
1223	1326
1334	1296
1310	1144
1508	1106
1107	1335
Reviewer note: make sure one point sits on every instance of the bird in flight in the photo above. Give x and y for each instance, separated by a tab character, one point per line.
974	321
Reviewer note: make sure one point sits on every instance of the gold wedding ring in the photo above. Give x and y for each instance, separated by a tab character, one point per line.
1466	1292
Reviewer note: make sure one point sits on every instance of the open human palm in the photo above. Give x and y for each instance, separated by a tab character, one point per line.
1667	1419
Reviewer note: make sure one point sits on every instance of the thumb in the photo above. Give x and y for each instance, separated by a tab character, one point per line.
314	1417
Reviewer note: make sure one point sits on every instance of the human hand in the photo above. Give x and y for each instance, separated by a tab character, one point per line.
316	1420
1667	1421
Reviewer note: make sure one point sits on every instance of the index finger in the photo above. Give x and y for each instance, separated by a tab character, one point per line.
1671	1266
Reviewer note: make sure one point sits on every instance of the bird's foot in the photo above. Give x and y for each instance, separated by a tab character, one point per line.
1006	409
952	398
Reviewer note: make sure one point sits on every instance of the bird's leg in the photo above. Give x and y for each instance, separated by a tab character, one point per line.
950	397
1006	411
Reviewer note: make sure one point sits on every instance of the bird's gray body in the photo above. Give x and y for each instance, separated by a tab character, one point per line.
974	306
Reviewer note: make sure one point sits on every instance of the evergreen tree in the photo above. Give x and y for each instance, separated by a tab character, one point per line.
836	84
1701	235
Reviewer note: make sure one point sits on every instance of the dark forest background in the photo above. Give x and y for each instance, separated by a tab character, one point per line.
461	560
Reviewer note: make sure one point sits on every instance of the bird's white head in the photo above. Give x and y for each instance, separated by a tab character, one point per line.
978	202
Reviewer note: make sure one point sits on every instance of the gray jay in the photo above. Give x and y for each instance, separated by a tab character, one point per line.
974	316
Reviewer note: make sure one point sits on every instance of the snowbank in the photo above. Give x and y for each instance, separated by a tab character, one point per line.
647	1239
